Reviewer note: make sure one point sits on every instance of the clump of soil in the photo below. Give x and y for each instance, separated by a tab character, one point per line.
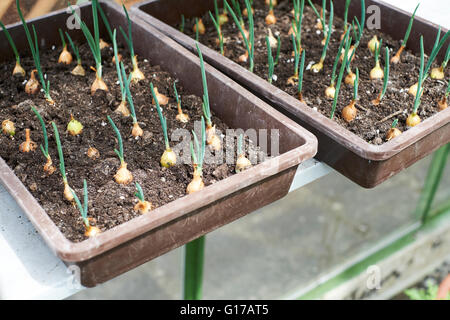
367	124
110	204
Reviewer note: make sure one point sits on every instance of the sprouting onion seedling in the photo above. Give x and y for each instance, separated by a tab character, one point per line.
65	57
270	18
376	72
31	87
219	33
168	158
434	52
438	72
91	231
182	117
136	131
8	128
396	58
373	44
443	102
223	17
380	96
322	23
122	108
347	40
48	167
211	137
199	27
18	70
331	90
123	175
136	74
62	168
349	112
94	44
347	6
248	38
78	70
74	127
242	162
357	30
104	44
270	61
198	155
414	119
28	145
142	206
319	66
393	131
296	27
293	79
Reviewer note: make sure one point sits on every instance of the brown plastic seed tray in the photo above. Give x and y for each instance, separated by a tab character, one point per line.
174	224
366	164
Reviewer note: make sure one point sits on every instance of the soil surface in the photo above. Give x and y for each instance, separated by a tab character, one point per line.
367	124
110	204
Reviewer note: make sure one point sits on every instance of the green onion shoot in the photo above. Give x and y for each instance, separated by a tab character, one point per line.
182	23
94	44
123	175
78	70
270	18
91	231
380	96
270	61
18	70
242	162
376	72
349	111
296	24
293	79
414	119
212	138
300	77
136	131
102	43
65	56
32	85
393	131
62	168
347	40
198	155
443	102
48	167
142	206
248	37
347	6
219	33
169	158
182	117
136	74
331	90
396	58
319	66
223	17
322	23
438	72
122	108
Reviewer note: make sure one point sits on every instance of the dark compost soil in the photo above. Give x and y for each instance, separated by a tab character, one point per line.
367	124
110	204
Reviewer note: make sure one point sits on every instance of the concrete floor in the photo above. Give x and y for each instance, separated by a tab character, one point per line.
286	245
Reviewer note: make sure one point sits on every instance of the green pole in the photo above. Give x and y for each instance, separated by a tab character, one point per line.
432	181
193	269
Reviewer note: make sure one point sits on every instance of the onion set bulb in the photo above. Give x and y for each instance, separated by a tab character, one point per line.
28	145
32	86
8	128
